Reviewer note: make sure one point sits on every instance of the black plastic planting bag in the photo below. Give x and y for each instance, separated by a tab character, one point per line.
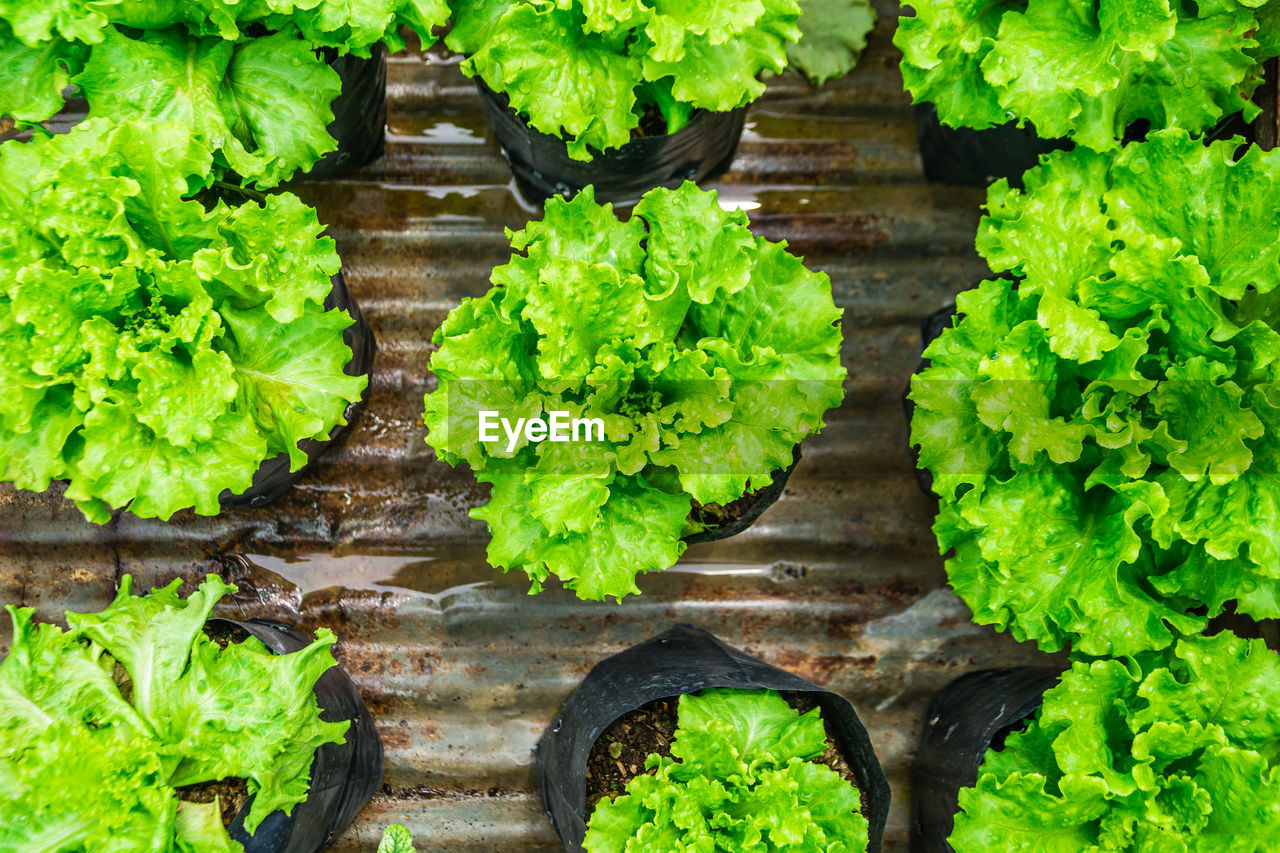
977	158
543	167
274	478
359	113
749	507
344	776
683	660
964	720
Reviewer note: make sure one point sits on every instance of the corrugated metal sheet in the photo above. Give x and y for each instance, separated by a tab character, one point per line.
838	582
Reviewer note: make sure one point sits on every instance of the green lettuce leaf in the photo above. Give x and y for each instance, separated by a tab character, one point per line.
1085	70
741	777
103	722
151	635
198	829
702	355
396	839
262	107
32	77
585	70
158	351
1102	432
833	34
1167	751
81	790
239	712
567	84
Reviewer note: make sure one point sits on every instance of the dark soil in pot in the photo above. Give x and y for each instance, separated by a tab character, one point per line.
274	478
359	114
731	519
231	794
683	660
974	713
543	168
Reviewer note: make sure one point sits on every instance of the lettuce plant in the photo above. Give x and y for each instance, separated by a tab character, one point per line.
587	70
1104	434
706	354
248	78
100	724
157	351
1088	69
1172	750
741	778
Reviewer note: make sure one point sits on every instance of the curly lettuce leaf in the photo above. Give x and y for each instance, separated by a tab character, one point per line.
79	790
582	70
151	635
262	107
106	720
566	84
1125	385
1085	72
397	839
73	20
1090	79
32	78
157	351
701	354
636	530
833	34
714	71
1169	751
290	375
49	676
943	46
243	712
740	777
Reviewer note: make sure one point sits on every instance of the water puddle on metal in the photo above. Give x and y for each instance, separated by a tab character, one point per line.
423	575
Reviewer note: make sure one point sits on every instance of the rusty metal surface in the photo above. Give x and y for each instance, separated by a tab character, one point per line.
839	581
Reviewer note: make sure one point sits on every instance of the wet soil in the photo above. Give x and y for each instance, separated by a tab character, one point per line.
231	795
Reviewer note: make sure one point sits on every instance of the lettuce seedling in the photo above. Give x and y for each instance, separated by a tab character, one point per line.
587	70
703	353
103	722
249	79
156	351
1104	435
741	778
1174	750
396	839
1088	70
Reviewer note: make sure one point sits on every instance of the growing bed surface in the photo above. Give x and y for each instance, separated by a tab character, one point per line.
839	582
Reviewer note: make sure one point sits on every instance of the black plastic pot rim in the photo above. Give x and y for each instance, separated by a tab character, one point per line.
684	659
696	117
543	168
754	505
963	722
